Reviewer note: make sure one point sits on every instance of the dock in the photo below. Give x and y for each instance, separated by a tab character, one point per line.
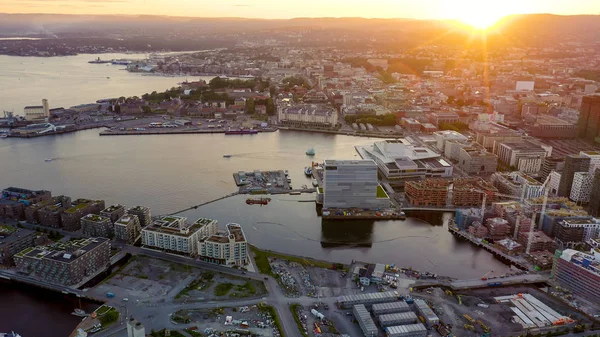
262	182
496	252
161	131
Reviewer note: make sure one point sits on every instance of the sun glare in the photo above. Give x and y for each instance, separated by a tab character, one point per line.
478	14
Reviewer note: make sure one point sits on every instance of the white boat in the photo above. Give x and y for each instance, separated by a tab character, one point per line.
315	182
308	171
3	135
226	156
48	159
79	312
12	334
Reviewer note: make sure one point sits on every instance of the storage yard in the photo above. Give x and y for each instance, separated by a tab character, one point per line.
262	182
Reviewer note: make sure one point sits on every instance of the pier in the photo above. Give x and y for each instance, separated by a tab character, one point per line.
199	205
494	251
161	131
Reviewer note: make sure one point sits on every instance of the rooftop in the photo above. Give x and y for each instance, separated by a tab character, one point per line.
10	234
124	220
585	261
365	162
96	218
112	208
65	252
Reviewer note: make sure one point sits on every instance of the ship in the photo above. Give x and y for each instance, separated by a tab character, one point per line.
308	171
241	132
3	135
12	334
79	312
48	159
121	62
402	216
261	201
310	152
226	156
99	61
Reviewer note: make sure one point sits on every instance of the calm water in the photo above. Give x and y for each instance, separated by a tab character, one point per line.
71	80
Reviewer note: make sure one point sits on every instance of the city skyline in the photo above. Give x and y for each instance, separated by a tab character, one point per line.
475	13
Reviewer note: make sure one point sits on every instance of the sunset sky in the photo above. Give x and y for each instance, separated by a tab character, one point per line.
281	9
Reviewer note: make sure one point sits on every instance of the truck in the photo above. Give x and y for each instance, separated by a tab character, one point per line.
110	295
494	284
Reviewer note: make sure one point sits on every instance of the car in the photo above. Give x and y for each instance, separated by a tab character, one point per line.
348	314
266	278
125	299
243	273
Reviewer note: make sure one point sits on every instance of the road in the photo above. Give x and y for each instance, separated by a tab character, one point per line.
517	279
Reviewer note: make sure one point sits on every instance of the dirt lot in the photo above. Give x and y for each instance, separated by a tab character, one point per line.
259	322
209	286
331	283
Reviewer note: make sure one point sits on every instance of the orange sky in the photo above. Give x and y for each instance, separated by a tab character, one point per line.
478	11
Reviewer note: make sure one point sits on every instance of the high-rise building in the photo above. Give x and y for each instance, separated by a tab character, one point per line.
589	118
352	184
582	187
579	272
573	163
550	164
594	159
594	205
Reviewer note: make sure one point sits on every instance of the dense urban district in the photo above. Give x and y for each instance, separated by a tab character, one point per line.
509	143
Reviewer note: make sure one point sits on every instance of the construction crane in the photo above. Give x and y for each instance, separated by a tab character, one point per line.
484	277
495	194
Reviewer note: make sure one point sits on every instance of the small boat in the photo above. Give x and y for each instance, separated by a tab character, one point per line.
402	216
79	312
308	171
261	201
286	172
48	159
310	152
241	132
315	182
3	135
108	78
11	334
295	193
226	156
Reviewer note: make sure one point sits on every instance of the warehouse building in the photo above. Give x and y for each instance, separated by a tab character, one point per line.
411	330
367	299
398	318
390	308
425	311
363	317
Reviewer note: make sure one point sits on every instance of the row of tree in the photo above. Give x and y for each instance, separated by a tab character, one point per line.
380	120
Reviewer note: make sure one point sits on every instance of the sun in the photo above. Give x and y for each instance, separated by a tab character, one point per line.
478	14
480	21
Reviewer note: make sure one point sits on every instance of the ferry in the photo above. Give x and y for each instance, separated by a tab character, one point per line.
261	201
48	159
310	152
99	61
308	171
226	156
315	182
12	334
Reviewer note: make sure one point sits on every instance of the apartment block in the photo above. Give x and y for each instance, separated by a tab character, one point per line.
71	218
51	215
227	248
428	192
517	184
143	214
32	212
14	200
12	241
65	263
128	228
174	234
470	191
113	212
93	225
539	241
571	232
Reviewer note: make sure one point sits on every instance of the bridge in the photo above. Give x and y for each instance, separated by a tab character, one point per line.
507	281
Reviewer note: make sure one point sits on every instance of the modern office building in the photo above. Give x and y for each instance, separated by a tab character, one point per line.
547	126
589	118
572	232
128	228
487	139
582	187
594	205
65	263
428	192
476	161
573	163
438	118
554	183
143	214
523	155
352	184
227	248
452	148
113	212
12	241
307	115
404	160
579	272
594	159
174	234
93	225
14	200
517	184
550	164
71	217
441	137
363	317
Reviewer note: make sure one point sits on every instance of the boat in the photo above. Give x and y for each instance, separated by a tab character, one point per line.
260	201
226	156
310	152
402	216
315	182
3	135
12	334
121	62
308	171
241	132
79	312
286	172
99	61
48	159
108	78
295	193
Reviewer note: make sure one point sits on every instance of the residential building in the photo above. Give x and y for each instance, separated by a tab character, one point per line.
539	241
128	228
582	187
573	163
14	200
571	232
452	149
363	317
554	183
113	212
523	155
441	137
174	234
32	212
12	241
93	225
65	263
517	184
51	214
550	164
428	192
227	248
71	218
579	272
476	161
403	160
470	191
594	205
589	118
307	115
143	214
438	118
352	184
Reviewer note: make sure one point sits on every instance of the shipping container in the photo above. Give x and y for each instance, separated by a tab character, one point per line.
363	317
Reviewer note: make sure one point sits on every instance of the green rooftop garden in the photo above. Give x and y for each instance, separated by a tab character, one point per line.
24	251
76	208
381	193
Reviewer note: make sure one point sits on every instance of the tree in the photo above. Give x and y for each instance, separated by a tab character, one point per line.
450	99
250	109
146	109
118	108
270	107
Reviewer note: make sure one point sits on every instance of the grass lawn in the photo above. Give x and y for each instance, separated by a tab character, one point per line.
203	282
381	192
262	261
223	289
110	317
